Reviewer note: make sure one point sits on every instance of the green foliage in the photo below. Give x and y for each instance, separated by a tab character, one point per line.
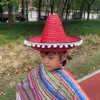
5	3
96	5
2	3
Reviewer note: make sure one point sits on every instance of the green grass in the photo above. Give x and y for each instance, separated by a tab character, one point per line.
81	27
85	64
8	86
86	61
22	30
9	94
19	31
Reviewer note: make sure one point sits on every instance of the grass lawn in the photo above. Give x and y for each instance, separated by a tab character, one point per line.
16	60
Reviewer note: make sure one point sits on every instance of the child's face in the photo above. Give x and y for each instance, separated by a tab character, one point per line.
51	60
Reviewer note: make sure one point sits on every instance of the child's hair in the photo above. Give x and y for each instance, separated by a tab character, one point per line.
64	52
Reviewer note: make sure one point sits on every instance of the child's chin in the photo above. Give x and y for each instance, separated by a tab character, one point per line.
49	69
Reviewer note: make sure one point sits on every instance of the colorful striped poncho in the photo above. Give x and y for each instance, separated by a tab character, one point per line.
41	84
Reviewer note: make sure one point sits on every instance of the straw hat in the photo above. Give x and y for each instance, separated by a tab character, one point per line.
53	37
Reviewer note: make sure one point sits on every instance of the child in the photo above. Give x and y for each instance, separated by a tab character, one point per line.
50	80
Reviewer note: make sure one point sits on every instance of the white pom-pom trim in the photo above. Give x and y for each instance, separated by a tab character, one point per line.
33	45
49	46
54	45
43	46
38	45
71	45
61	46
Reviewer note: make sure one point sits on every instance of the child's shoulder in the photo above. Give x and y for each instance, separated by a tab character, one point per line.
25	86
29	78
67	72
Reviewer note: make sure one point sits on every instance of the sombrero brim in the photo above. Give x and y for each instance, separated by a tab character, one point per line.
35	43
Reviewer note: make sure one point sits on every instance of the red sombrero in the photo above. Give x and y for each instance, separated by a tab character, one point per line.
53	37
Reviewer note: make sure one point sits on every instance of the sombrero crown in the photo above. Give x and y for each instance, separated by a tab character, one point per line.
53	37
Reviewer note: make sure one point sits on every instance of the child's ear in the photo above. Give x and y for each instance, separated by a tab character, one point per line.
64	57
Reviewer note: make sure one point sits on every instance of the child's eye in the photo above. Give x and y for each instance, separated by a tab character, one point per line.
50	57
42	55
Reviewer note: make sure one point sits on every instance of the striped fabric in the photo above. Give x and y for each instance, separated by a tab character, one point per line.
45	85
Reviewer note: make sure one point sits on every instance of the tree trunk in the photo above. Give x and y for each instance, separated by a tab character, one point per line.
1	11
60	9
88	13
89	4
27	10
39	10
52	5
81	8
67	9
9	14
66	14
30	5
84	14
64	7
22	9
47	8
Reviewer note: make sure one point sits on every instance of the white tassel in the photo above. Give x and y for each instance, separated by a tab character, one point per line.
54	45
25	42
33	45
66	46
43	46
38	45
49	46
71	45
61	46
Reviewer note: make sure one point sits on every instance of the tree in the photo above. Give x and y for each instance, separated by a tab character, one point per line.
82	6
60	9
9	13
3	4
52	6
30	6
22	8
68	7
39	10
26	10
89	4
47	7
65	2
10	9
96	7
1	10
